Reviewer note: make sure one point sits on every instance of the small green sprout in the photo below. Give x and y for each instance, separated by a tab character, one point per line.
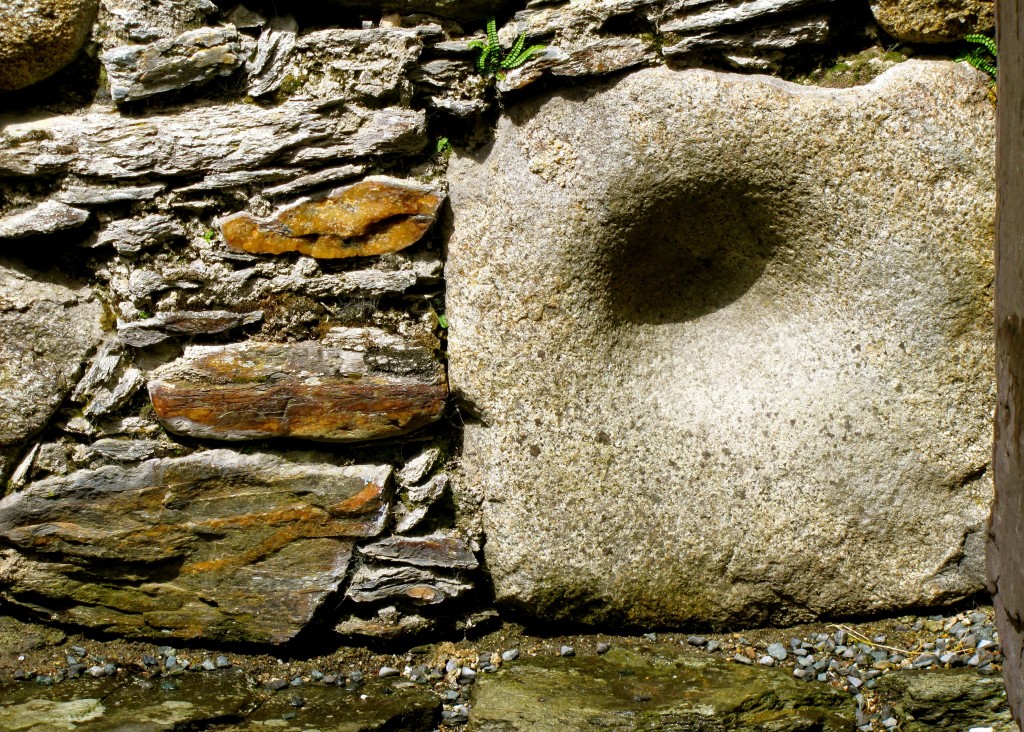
443	146
983	56
208	235
493	61
442	321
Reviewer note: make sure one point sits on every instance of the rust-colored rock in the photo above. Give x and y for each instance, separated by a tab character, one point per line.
215	545
355	384
374	216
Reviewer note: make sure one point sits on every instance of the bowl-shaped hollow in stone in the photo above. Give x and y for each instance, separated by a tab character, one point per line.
728	342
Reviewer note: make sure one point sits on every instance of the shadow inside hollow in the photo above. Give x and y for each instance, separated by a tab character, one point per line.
691	251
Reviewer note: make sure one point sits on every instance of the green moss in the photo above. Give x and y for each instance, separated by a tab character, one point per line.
855	70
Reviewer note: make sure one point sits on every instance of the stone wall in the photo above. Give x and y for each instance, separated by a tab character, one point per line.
225	306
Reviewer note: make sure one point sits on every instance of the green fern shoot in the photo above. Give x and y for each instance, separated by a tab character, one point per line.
983	56
493	61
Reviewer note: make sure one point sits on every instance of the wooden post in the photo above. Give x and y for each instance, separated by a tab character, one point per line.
1006	533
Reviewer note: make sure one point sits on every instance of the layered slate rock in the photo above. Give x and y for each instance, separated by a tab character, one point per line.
355	384
151	331
436	550
934	21
374	216
48	325
194	57
587	37
216	545
48	217
39	37
659	688
729	344
209	138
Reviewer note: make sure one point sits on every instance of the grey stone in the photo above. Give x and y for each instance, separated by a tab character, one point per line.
434	550
47	327
131	236
40	37
668	316
194	57
109	382
417	468
216	545
365	66
427	493
98	196
48	217
389	624
328	176
141	21
372	584
275	46
651	690
123	450
243	17
934	21
210	138
777	651
220	181
151	331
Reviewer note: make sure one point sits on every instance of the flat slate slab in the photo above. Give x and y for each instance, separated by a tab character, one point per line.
652	689
216	545
355	384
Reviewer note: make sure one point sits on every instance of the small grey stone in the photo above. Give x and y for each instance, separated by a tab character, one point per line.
512	654
603	648
652	637
854	682
467	673
208	665
47	218
223	662
777	651
276	684
697	640
387	671
566	651
451	665
740	658
767	661
713	646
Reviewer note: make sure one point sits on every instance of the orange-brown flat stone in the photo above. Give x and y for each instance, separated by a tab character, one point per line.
374	216
356	384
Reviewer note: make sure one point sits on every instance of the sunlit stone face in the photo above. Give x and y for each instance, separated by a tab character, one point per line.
723	344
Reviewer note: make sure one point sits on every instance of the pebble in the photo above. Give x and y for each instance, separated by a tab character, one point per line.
652	637
778	651
740	658
208	665
513	653
603	648
566	651
767	661
223	662
713	646
276	684
387	671
697	640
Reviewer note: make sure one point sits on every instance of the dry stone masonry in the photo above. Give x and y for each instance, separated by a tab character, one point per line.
718	347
